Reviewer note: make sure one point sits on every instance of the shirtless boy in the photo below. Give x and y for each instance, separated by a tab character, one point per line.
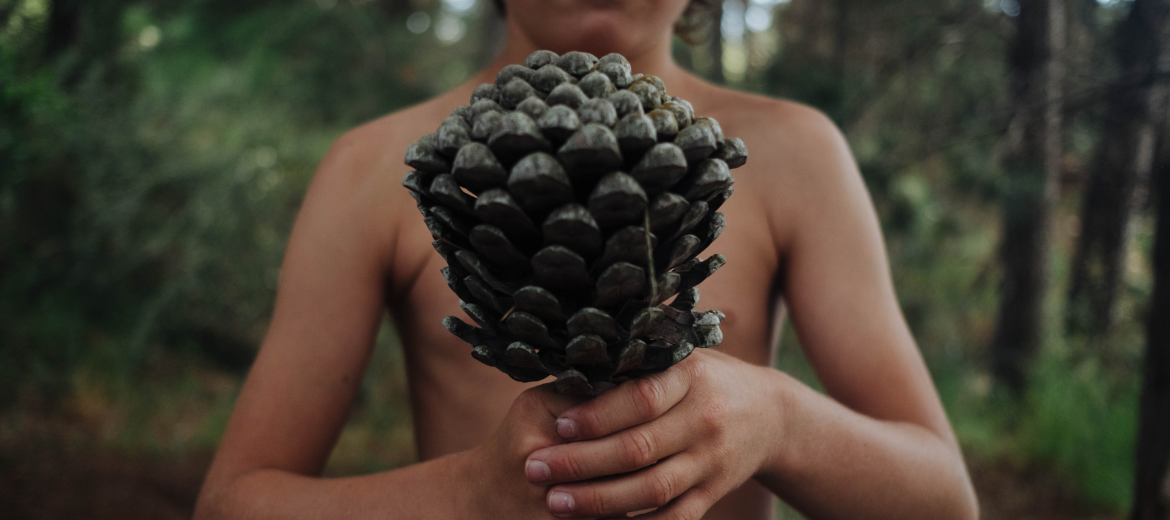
717	436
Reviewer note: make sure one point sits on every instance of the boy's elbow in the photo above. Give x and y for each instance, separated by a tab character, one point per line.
967	507
215	497
209	506
970	507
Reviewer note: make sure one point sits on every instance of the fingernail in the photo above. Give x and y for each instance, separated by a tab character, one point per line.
560	502
566	428
537	471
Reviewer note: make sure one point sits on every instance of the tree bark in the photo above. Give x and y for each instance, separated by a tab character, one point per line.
841	42
63	27
1032	168
1122	164
1152	478
401	8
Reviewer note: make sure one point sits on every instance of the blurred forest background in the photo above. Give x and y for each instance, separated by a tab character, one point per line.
153	155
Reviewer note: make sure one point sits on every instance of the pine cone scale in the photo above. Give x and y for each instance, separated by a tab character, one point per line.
570	200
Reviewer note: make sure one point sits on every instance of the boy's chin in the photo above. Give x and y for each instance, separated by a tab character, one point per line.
597	37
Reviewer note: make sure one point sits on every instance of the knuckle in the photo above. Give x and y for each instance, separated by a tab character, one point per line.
648	396
530	398
661	487
713	414
694	367
717	471
638	449
718	464
589	501
590	421
694	505
571	468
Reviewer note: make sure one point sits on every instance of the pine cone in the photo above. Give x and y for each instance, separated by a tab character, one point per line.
570	200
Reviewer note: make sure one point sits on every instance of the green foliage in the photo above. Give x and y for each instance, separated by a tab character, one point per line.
153	158
918	88
1085	424
1075	418
153	169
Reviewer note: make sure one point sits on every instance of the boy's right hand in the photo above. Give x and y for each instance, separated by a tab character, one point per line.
496	471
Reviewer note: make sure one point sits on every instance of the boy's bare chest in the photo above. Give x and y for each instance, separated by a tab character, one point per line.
457	401
450	390
744	289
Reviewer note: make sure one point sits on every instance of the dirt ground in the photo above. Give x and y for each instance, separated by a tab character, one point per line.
1010	492
42	482
57	485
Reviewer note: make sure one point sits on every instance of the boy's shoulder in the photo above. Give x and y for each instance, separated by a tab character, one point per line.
799	166
781	129
791	146
357	190
737	107
377	147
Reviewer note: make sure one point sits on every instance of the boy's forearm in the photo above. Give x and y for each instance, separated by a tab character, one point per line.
434	489
837	463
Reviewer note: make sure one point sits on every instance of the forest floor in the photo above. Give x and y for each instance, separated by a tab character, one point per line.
1009	491
45	478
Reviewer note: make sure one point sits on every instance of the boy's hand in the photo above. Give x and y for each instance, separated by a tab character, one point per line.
495	472
686	436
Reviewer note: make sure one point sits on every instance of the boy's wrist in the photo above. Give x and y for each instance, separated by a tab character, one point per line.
785	444
471	499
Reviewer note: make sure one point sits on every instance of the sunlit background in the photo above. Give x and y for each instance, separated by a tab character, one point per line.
153	155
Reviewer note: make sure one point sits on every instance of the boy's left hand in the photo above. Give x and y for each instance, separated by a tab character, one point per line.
679	440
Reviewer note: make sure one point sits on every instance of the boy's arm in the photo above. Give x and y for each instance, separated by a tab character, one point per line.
300	388
299	392
879	447
883	438
485	482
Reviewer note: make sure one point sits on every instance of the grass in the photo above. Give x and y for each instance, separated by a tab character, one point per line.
181	407
1076	425
1084	424
1074	422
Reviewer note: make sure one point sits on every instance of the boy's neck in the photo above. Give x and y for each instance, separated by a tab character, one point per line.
656	60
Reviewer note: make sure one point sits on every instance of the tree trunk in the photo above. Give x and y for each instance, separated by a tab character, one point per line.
402	8
1032	166
64	24
841	42
1122	164
1088	13
1152	480
1088	30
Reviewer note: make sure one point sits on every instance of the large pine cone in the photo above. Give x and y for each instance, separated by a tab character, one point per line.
570	201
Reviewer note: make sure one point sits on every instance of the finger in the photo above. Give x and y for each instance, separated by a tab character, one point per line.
634	402
623	452
652	487
556	403
541	405
691	505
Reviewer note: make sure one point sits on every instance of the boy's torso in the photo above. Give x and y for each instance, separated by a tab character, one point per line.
457	402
